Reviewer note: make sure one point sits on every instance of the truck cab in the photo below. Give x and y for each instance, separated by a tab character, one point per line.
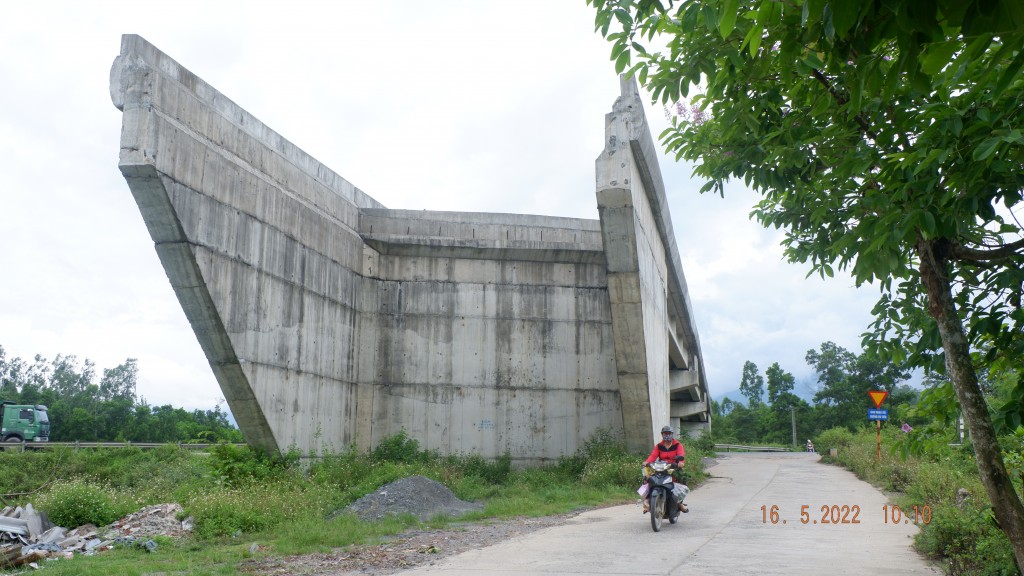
24	423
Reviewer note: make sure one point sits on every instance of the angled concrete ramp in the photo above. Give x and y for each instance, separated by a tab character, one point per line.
330	320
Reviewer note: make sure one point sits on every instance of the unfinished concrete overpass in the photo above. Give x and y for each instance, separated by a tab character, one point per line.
329	319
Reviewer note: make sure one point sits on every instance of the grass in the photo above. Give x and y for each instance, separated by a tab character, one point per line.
239	496
962	534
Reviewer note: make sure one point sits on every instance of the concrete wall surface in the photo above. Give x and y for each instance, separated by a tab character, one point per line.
329	319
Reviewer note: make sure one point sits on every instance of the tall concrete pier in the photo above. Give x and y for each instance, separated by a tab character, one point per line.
329	319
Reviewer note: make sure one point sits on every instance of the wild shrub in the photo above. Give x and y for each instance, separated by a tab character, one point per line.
400	448
492	472
705	442
968	542
604	444
936	483
963	536
609	470
340	470
570	467
242	465
838	437
76	502
898	475
227	511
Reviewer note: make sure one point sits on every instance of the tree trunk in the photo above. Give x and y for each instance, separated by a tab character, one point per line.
1009	511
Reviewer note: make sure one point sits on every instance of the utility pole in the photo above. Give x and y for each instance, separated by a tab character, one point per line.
792	419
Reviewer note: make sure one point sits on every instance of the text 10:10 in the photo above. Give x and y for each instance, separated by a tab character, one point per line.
893	515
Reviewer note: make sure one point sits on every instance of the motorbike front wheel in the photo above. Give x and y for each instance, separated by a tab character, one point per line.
657	509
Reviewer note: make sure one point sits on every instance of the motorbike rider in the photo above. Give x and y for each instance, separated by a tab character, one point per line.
669	450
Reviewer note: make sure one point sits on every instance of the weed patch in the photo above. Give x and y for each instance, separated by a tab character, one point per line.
238	495
961	533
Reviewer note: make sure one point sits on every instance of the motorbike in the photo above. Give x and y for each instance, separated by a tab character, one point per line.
659	493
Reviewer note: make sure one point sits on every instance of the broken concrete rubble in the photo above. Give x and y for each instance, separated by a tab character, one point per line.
26	536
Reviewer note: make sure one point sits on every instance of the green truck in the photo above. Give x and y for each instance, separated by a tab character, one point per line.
24	423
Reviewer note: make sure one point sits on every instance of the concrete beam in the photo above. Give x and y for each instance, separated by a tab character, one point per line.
686	410
694	429
685	383
676	352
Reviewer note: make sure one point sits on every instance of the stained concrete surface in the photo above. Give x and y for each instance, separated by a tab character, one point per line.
724	533
330	320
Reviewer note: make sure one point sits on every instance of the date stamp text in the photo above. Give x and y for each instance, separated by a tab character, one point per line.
834	514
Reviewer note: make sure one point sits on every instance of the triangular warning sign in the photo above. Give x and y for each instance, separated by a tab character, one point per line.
878	396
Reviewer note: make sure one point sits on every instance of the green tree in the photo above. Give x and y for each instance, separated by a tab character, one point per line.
752	385
784	406
885	138
120	382
81	409
727	406
838	394
779	382
845	378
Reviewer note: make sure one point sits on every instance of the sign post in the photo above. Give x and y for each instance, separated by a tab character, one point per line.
877	397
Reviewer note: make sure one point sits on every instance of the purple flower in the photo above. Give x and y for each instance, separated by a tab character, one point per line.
906	427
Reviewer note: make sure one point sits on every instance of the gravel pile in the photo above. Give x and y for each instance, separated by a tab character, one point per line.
416	495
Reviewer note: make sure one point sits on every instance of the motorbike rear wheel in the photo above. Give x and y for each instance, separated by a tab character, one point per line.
657	509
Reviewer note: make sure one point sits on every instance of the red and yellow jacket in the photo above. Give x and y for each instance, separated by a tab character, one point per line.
667	453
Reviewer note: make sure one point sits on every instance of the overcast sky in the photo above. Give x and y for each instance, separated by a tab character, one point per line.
480	105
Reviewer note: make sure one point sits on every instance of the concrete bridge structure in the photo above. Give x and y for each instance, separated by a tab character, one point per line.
330	320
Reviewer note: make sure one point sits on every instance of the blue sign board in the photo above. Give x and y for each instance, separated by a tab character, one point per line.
876	414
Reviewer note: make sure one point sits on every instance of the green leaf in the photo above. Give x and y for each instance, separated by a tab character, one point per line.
986	148
830	27
928	224
727	18
937	55
1009	74
844	15
621	61
753	39
811	59
811	13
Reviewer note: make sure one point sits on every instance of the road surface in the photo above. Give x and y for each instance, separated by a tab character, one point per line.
726	532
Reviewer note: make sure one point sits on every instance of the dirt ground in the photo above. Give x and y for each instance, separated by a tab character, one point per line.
403	551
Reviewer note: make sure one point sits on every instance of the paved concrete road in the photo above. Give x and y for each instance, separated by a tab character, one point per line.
723	533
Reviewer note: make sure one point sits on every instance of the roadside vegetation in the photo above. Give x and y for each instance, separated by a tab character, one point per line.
962	533
238	496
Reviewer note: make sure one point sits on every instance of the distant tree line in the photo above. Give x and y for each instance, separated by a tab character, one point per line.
840	399
88	406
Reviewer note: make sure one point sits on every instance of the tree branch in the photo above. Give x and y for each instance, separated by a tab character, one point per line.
976	255
842	99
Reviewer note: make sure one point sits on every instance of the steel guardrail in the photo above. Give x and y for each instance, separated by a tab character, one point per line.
742	448
140	445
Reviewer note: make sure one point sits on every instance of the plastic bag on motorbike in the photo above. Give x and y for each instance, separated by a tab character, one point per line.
680	491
